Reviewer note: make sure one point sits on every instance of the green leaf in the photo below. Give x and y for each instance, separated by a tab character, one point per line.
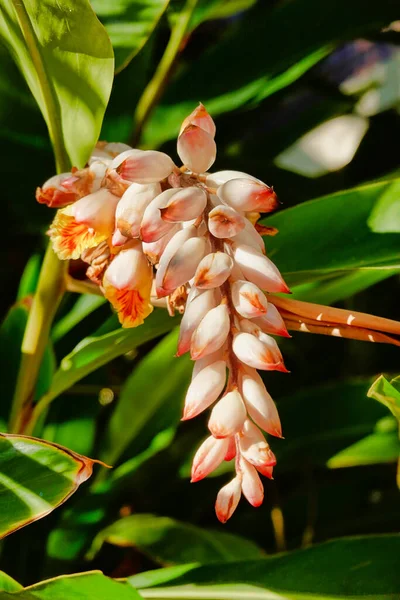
385	218
387	393
361	567
30	276
35	478
261	54
145	396
376	448
84	306
8	584
11	334
168	541
339	288
82	586
66	58
129	23
330	235
94	352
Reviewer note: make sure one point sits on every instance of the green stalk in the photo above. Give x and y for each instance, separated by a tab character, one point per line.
156	85
51	284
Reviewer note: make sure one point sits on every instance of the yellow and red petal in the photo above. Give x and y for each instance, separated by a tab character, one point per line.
132	305
69	238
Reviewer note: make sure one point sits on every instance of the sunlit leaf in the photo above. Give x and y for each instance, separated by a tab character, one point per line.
84	306
387	393
8	584
168	541
129	23
35	478
304	254
66	58
344	568
82	586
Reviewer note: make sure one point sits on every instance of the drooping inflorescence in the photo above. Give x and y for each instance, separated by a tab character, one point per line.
150	229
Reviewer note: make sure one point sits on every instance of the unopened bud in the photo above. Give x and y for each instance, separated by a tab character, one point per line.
228	499
211	333
196	149
205	389
208	457
227	416
248	195
143	166
259	269
213	270
225	222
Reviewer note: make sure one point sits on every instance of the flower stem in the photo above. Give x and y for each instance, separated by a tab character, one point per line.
49	292
156	85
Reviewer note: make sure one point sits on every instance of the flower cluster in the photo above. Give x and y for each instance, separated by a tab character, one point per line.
150	229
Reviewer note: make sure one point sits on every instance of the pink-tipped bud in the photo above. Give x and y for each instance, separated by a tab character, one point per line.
213	270
227	416
153	227
248	195
97	210
182	265
254	353
187	204
211	333
218	178
208	457
272	322
201	118
196	149
143	166
205	389
154	250
249	326
249	236
228	499
225	222
266	471
252	486
259	269
259	404
248	299
197	307
118	239
131	207
254	447
231	453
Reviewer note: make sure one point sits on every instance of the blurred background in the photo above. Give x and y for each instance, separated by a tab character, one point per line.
309	103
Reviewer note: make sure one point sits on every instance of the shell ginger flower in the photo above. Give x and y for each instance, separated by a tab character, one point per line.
141	222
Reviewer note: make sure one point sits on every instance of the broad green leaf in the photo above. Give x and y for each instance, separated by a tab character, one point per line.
35	478
168	541
94	352
361	567
387	393
374	449
66	58
11	334
84	306
385	218
30	276
339	288
82	586
8	584
157	385
129	23
330	235
261	54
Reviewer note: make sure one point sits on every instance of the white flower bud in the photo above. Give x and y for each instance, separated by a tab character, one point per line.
259	403
213	270
249	237
248	299
201	118
214	180
187	204
118	239
211	332
143	166
196	308
252	486
131	207
97	210
247	195
155	250
153	227
182	265
225	222
196	149
205	389
272	322
254	447
227	416
208	457
228	499
259	269
254	353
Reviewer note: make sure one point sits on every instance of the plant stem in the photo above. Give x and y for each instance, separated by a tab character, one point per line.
156	85
51	287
